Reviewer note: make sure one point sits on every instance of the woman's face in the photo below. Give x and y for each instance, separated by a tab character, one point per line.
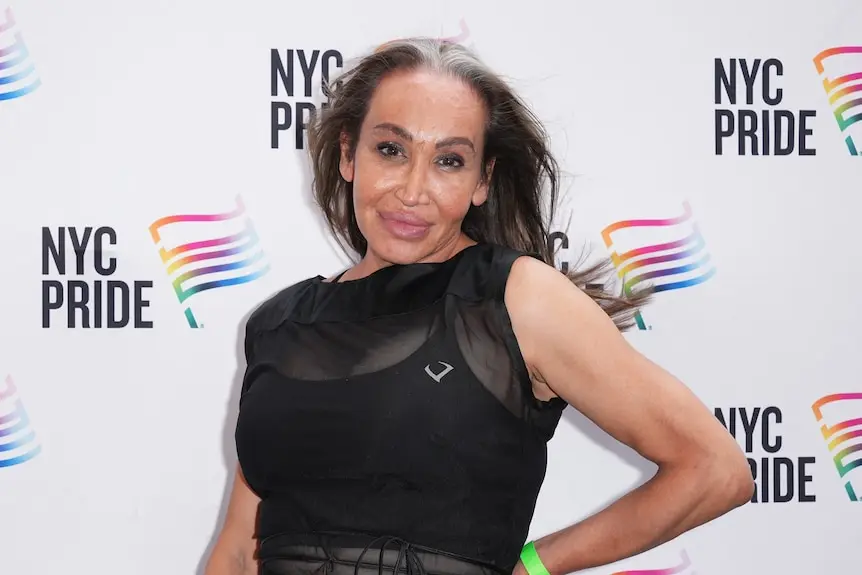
417	165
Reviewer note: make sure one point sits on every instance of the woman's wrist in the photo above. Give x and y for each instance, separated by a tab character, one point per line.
531	561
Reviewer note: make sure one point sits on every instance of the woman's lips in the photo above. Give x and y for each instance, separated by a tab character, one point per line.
404	225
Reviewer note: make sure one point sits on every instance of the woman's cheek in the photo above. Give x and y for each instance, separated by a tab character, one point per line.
453	194
371	183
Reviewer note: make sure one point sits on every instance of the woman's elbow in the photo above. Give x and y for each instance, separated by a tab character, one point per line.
743	485
731	480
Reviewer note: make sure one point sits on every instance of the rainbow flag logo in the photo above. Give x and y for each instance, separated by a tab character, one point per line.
461	37
668	253
206	251
841	71
17	73
683	568
18	442
840	418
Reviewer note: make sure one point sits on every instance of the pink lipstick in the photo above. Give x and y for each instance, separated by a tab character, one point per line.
404	225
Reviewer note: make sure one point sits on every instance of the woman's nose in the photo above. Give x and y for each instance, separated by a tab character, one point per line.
413	190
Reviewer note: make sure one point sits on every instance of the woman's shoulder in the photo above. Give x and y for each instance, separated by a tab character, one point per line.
485	272
277	308
479	272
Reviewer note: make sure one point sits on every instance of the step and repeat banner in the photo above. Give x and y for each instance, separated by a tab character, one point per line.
154	188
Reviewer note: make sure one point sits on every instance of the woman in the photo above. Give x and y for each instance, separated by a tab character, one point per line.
396	416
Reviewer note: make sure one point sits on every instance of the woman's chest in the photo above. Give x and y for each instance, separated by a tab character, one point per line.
422	417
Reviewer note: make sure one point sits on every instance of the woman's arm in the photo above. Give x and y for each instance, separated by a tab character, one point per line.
233	553
574	351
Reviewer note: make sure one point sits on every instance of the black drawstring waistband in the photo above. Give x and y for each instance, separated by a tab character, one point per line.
405	550
339	553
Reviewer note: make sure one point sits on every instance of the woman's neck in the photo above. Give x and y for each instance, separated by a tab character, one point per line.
372	262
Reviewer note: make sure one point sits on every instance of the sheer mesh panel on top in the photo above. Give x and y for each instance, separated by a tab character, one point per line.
337	350
479	335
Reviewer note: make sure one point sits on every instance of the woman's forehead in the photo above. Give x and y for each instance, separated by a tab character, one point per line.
426	101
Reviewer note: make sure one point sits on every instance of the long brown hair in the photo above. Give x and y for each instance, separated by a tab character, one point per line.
524	185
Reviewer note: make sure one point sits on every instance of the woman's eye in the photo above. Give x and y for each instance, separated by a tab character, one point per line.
388	149
451	162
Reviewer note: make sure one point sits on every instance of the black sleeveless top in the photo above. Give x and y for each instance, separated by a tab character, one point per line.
396	404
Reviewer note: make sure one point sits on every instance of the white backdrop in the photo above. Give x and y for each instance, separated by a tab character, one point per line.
116	443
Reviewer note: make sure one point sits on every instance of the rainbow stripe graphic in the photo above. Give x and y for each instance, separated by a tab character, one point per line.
844	438
683	567
17	73
222	260
677	260
17	439
844	89
459	38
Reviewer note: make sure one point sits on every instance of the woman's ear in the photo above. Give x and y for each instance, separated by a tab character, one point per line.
480	195
347	163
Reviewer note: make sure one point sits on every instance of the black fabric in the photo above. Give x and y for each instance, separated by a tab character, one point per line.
349	554
396	405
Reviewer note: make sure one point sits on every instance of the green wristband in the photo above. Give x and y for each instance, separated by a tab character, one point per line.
532	563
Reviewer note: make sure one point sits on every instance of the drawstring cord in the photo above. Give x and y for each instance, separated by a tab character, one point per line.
409	554
405	552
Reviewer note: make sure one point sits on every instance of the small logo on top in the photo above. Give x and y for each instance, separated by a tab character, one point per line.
440	374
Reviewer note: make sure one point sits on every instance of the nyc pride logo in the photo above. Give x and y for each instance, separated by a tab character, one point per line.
683	568
206	251
840	416
17	439
841	71
17	73
668	253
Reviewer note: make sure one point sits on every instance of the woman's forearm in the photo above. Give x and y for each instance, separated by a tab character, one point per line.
672	502
223	561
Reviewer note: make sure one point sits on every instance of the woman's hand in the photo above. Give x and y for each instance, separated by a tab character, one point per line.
574	351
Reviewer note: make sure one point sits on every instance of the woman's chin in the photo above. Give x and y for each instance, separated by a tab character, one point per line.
400	251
